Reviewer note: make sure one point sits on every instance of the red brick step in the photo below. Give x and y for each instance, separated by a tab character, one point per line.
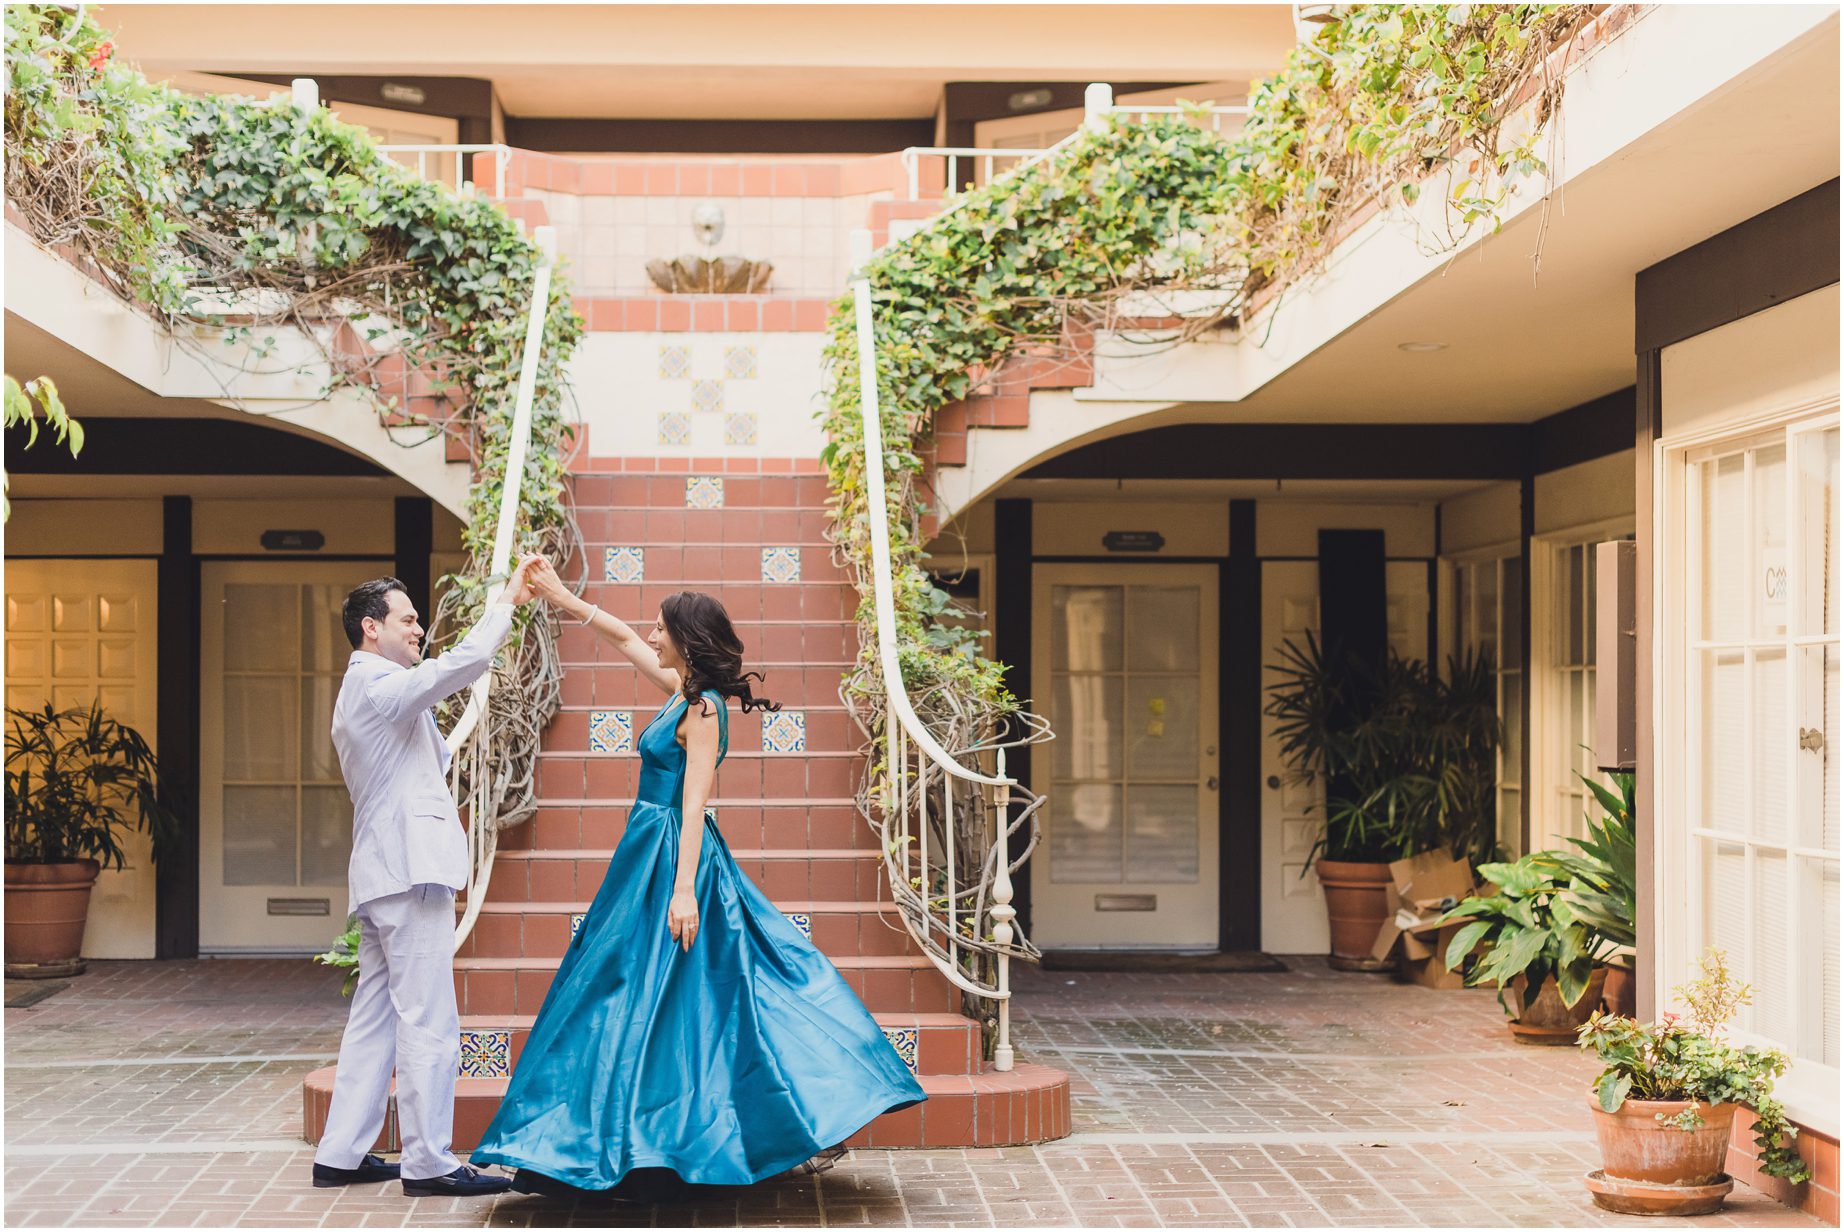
1024	1105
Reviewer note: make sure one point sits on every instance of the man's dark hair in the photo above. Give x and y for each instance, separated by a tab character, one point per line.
371	599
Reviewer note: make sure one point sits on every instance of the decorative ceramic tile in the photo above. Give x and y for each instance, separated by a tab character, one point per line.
611	731
740	363
707	395
486	1054
674	363
781	564
675	428
576	924
903	1039
802	921
784	731
740	428
704	492
623	564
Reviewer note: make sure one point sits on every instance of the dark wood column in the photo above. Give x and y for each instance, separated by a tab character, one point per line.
415	541
1239	725
176	879
1011	599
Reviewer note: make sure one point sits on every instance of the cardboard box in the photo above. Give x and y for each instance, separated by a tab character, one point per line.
1423	889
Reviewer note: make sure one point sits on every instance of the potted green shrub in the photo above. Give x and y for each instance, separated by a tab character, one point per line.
1407	759
76	781
1536	945
1664	1104
1604	886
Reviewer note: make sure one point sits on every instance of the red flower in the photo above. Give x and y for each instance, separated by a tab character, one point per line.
101	55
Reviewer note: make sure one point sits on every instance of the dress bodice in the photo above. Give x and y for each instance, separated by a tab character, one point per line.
662	757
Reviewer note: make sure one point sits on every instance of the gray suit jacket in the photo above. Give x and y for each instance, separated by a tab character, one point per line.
406	830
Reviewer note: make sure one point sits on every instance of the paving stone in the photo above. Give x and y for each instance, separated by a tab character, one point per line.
169	1094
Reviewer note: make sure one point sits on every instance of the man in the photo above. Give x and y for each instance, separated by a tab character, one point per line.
409	856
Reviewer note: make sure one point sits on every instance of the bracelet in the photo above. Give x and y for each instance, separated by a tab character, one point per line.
594	611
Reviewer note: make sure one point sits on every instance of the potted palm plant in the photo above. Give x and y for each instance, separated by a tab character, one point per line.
1665	1102
1536	945
1407	760
76	781
1604	886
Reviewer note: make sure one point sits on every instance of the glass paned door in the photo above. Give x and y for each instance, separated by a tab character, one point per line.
1760	697
1128	655
275	819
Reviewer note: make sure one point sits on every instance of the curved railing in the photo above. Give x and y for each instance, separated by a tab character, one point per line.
470	740
953	919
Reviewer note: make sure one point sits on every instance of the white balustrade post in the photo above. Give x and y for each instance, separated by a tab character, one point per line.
1002	915
306	93
1097	101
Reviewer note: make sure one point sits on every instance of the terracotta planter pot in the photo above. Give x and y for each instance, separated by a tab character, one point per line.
1637	1146
1644	1198
1356	904
1620	994
1548	1020
46	907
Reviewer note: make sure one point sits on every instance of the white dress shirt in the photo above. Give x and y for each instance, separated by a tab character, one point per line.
406	830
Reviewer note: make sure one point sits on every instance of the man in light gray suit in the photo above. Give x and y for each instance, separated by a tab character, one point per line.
409	856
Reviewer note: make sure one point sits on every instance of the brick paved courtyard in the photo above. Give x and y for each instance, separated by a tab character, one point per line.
169	1093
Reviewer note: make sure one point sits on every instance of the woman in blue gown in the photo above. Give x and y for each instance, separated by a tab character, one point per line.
690	1027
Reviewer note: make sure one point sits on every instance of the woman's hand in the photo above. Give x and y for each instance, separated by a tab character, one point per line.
544	581
682	918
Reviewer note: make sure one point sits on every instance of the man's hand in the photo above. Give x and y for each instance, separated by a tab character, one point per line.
518	591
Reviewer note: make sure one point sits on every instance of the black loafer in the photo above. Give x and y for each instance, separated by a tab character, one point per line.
370	1169
463	1182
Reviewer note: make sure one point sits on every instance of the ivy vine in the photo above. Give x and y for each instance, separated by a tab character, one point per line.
257	219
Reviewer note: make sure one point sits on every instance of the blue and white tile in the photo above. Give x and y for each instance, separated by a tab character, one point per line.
704	492
485	1054
802	921
905	1041
674	363
781	564
675	427
707	395
624	565
740	428
740	363
784	731
611	731
576	923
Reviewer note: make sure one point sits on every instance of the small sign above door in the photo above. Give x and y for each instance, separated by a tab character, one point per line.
293	540
1133	541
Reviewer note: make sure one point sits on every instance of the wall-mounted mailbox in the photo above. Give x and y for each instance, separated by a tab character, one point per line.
1616	644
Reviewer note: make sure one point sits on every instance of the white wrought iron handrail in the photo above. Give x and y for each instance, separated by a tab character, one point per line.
482	834
902	726
502	155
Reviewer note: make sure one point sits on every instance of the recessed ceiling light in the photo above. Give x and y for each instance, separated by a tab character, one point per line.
1417	348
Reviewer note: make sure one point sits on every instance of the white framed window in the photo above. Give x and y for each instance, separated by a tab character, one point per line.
1747	664
1487	611
1563	679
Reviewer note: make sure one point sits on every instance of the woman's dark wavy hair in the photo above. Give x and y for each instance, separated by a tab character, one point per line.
713	654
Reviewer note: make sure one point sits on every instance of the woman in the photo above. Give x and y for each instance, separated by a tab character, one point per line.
691	1027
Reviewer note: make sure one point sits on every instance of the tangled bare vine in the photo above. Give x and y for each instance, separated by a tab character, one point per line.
267	239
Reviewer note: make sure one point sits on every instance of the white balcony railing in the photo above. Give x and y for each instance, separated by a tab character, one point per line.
990	162
470	740
453	165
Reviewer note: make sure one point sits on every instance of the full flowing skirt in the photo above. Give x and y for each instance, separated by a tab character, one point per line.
728	1064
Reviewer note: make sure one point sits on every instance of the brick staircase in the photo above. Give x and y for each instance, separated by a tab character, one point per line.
784	805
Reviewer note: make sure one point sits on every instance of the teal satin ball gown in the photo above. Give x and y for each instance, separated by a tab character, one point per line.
727	1064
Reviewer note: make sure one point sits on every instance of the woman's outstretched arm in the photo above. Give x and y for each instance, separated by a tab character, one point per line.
549	587
702	734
